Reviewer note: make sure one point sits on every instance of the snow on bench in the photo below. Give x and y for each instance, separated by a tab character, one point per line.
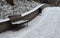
4	20
19	22
24	14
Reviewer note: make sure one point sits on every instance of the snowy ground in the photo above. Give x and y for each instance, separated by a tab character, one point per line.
46	25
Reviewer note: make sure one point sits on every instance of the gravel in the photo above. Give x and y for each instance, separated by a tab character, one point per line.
20	7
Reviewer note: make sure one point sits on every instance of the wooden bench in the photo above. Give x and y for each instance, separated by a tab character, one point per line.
21	19
4	24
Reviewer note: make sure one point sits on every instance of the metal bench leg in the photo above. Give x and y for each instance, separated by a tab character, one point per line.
26	24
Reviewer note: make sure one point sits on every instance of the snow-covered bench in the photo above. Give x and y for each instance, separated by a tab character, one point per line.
24	14
27	13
